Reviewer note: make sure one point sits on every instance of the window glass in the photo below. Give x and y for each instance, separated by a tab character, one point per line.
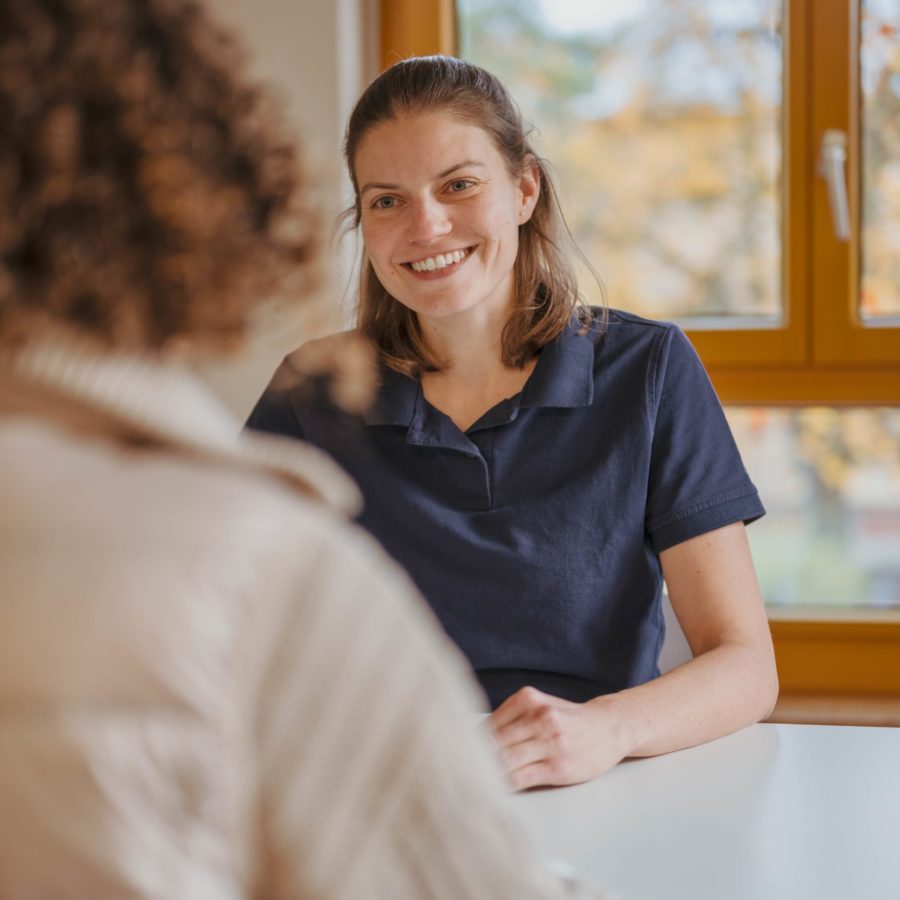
830	481
880	141
662	121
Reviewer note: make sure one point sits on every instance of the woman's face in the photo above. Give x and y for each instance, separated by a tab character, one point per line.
440	213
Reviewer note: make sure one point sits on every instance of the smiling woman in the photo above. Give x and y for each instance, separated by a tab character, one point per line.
538	466
441	231
486	152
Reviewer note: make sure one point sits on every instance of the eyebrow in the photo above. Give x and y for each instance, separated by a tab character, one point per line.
385	186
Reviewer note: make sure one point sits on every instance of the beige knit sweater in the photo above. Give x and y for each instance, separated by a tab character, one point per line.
211	685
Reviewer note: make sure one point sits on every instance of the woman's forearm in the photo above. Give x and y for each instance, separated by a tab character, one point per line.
724	689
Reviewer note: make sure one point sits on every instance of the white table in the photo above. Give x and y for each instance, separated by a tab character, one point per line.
799	812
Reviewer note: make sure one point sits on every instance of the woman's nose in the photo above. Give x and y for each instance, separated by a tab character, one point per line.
428	221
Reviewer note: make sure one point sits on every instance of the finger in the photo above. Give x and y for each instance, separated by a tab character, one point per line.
525	728
537	774
523	754
521	702
545	721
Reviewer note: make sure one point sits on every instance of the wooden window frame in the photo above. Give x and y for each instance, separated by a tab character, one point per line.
823	354
417	28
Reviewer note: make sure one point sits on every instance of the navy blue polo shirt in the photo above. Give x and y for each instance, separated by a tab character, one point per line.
535	534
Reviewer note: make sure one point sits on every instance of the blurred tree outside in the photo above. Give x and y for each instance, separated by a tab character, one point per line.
662	123
830	481
880	137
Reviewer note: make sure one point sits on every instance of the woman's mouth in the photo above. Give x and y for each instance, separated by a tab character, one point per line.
439	261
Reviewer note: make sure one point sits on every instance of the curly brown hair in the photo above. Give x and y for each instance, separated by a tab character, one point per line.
147	191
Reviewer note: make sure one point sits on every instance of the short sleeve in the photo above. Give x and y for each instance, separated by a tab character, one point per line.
697	479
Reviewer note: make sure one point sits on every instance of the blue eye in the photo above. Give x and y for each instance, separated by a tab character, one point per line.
384	203
460	184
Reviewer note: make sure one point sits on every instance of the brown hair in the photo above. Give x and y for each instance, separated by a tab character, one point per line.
545	285
146	192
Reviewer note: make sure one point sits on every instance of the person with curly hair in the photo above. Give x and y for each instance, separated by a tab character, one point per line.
211	683
540	468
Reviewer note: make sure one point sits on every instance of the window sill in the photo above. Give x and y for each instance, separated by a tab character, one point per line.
815	709
837	652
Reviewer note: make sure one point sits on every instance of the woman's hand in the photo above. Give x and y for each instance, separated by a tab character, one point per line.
730	682
543	740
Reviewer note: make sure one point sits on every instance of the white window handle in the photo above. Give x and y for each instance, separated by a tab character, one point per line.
831	167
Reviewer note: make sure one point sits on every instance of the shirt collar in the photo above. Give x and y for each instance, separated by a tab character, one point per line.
167	404
564	374
562	378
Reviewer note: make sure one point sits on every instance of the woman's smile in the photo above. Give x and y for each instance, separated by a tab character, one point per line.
440	214
439	265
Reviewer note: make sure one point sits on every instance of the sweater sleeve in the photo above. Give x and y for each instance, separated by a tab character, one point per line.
375	781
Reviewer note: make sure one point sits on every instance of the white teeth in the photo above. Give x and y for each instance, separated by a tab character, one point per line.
441	261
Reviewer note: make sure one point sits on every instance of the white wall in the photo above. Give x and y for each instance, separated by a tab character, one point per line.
317	55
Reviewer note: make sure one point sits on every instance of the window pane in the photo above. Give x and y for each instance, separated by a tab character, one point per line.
880	140
830	480
662	121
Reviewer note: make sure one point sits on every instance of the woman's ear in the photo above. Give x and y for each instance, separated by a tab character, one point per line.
529	188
